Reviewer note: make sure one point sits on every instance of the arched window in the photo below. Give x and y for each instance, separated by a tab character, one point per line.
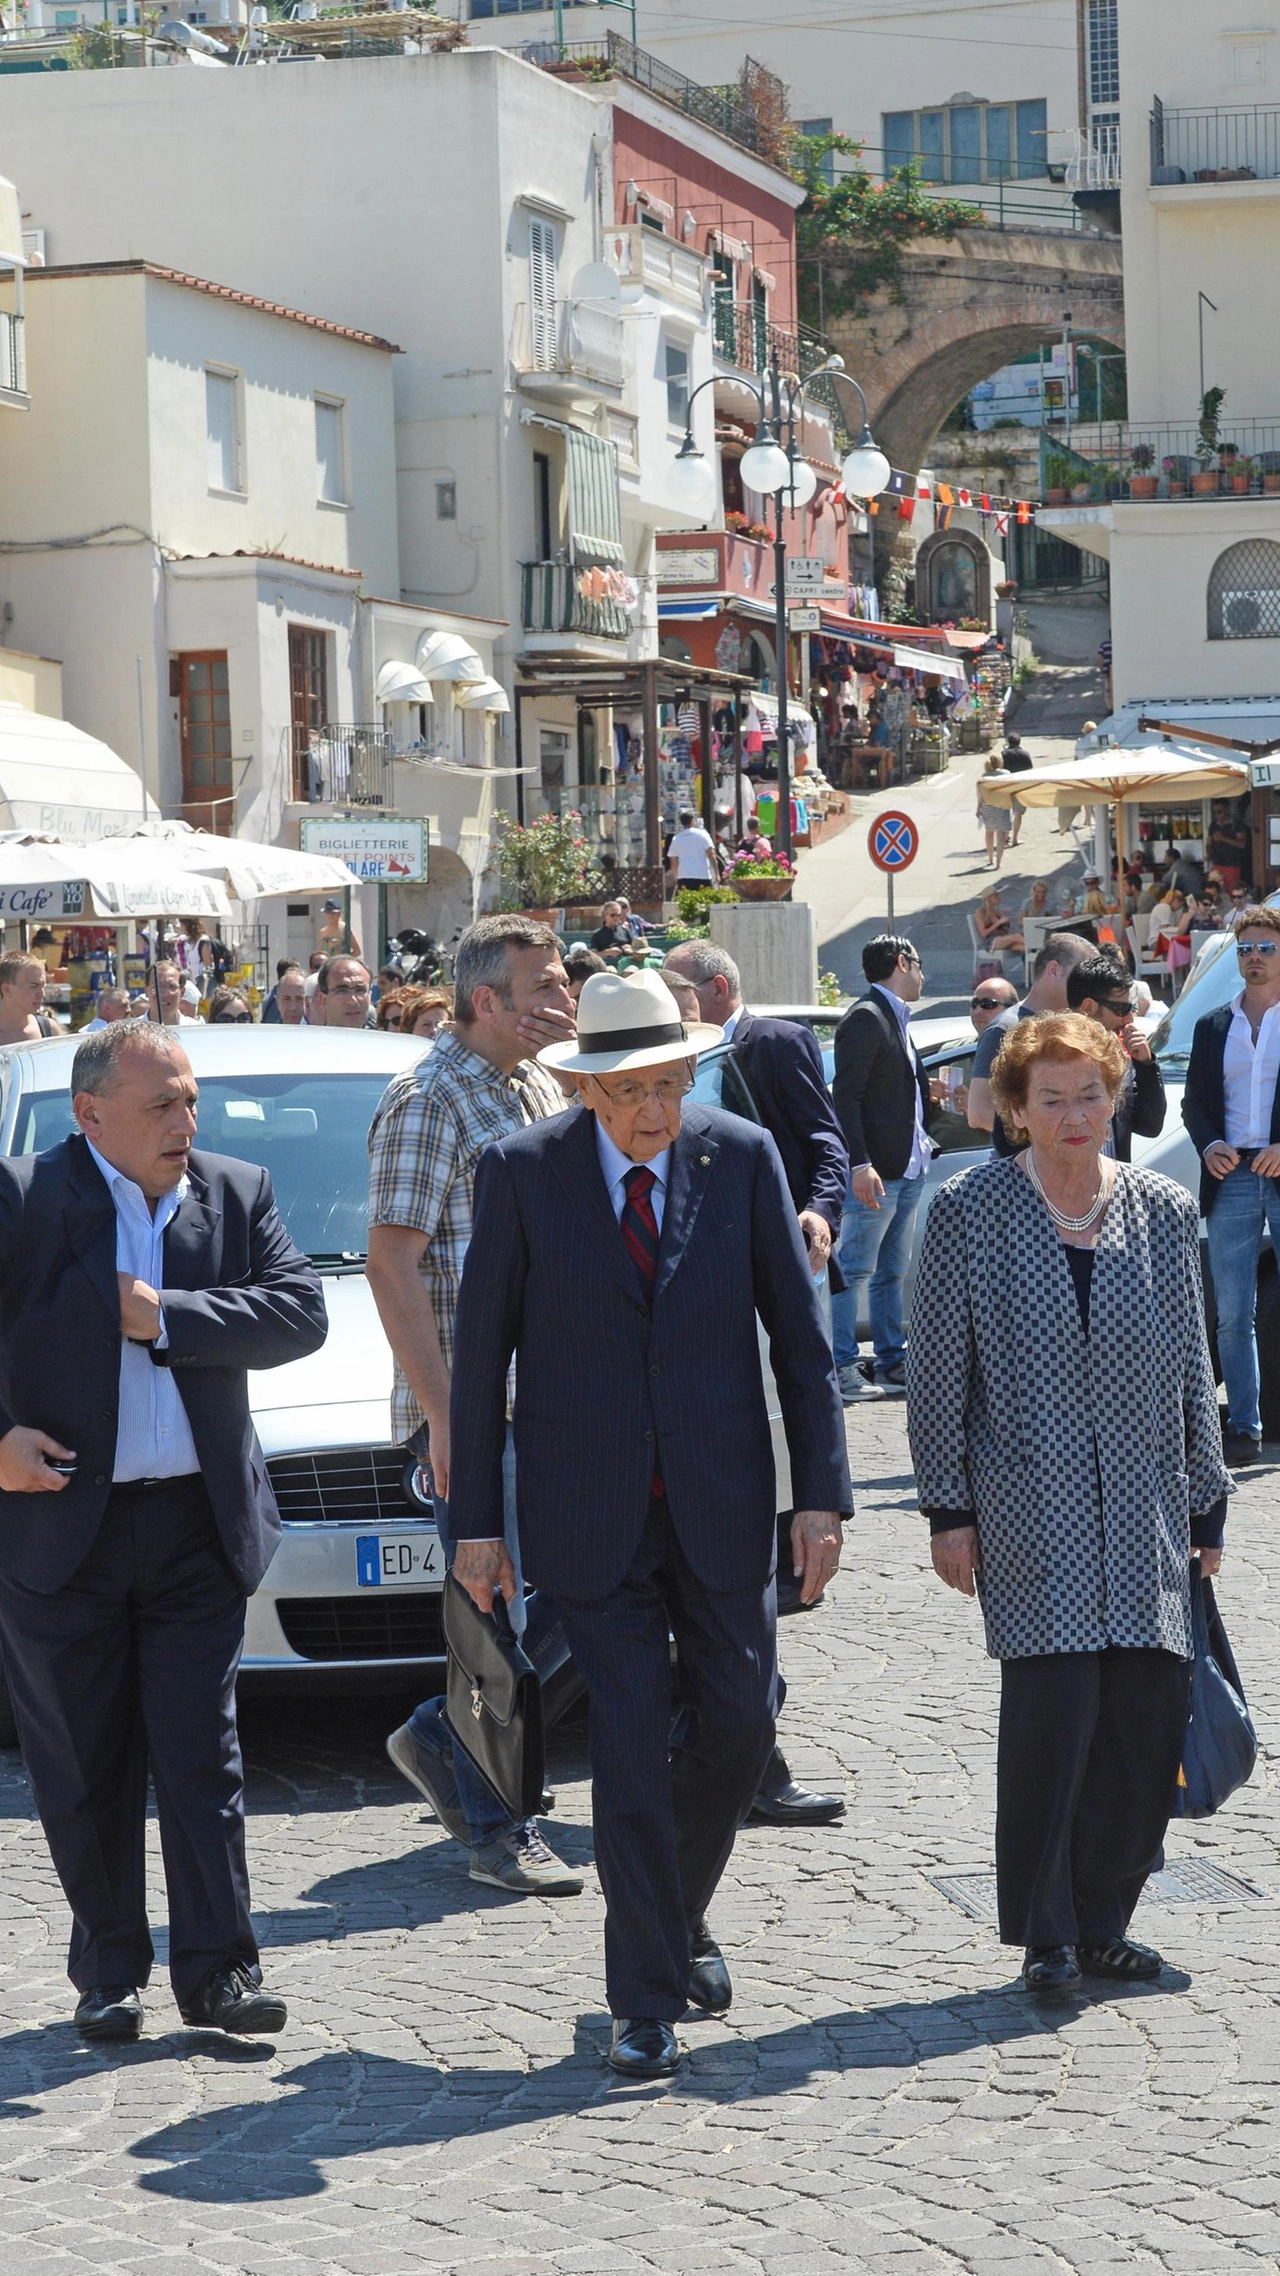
1244	592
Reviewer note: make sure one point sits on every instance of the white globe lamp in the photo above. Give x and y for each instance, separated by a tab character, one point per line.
802	485
691	484
765	468
866	470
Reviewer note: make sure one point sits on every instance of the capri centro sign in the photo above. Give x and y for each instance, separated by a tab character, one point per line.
378	848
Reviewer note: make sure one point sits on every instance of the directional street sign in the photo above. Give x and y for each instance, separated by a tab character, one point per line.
893	841
806	573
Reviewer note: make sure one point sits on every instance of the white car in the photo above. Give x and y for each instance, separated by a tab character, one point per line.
352	1597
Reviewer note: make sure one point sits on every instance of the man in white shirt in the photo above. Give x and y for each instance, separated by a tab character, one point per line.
691	855
113	1004
1231	1108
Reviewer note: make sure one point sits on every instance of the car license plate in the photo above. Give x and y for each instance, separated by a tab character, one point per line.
399	1560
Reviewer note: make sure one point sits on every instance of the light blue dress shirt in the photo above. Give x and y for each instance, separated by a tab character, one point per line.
921	1150
615	1165
153	1435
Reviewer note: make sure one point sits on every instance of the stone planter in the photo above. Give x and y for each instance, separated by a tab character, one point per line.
762	888
1240	483
1177	489
1271	484
1055	497
1204	485
553	917
1143	485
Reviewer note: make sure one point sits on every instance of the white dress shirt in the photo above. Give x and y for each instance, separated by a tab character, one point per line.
1249	1074
616	1164
921	1150
153	1435
731	1023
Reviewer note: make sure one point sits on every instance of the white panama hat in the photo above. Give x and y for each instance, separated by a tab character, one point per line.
628	1019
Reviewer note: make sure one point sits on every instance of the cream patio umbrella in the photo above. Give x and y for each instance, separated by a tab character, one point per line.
1153	774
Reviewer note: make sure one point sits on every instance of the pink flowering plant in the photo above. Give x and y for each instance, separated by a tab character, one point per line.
542	863
759	865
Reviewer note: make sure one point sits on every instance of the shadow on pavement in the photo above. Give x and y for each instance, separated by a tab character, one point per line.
254	2151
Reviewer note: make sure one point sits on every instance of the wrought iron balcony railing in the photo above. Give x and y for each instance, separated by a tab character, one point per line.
343	766
1215	145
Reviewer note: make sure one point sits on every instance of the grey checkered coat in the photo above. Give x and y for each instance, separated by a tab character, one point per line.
1080	1458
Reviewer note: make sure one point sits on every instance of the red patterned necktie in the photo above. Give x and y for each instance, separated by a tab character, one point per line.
640	1227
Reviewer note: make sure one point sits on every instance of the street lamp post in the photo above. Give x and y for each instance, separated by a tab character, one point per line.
775	466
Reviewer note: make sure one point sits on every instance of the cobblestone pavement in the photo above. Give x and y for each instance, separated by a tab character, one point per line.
883	2098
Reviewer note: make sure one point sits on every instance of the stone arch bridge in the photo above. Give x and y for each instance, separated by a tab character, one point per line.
966	306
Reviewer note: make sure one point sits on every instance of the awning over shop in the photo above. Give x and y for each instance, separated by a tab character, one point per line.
915	660
57	781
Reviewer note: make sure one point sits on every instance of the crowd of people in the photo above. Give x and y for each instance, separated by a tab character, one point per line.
545	1193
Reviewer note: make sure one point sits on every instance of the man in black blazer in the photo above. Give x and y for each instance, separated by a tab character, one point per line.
1231	1106
626	1250
1102	988
139	1282
881	1095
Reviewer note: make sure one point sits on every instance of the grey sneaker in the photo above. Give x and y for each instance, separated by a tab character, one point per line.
892	1381
521	1860
854	1385
434	1779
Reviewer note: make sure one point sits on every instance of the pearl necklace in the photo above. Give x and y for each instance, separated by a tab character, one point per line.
1060	1218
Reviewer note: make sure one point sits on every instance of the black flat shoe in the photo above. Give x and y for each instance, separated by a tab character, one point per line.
710	1990
793	1805
643	2047
1124	1962
109	2011
1050	1968
232	1999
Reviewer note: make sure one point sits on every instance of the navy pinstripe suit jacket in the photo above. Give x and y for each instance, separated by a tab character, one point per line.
607	1391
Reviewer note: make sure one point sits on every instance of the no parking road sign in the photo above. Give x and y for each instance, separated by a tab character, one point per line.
893	841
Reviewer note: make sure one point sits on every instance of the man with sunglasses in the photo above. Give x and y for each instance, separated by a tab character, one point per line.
1102	989
1231	1106
989	999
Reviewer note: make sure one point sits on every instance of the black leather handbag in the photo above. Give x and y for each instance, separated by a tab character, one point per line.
494	1701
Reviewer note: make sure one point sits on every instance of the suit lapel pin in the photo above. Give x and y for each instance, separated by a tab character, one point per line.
704	1159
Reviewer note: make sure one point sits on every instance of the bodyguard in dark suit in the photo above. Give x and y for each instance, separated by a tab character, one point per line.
1102	988
626	1250
138	1283
881	1095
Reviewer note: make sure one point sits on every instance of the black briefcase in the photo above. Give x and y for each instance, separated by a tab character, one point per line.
494	1701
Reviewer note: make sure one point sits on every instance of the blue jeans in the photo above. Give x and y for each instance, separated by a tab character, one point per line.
536	1620
1244	1205
875	1245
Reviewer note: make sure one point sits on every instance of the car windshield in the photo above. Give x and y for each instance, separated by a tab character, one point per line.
1215	983
311	1131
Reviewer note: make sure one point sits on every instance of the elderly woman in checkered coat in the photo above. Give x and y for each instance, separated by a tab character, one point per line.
1068	1455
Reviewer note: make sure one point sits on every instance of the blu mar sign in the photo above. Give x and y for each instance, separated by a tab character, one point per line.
893	841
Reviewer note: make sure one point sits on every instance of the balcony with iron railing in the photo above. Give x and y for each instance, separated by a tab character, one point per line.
750	112
1215	145
565	345
343	765
551	602
1173	460
13	361
745	339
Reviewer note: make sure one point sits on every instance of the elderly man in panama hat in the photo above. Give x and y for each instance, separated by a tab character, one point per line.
625	1250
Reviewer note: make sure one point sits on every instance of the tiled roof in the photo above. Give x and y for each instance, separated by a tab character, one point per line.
290	560
219	292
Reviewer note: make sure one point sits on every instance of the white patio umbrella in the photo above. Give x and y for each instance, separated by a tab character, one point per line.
111	879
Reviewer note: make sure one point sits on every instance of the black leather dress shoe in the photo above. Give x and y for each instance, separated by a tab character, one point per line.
709	1987
232	1999
1238	1448
1050	1968
643	2047
781	1802
790	1599
109	2011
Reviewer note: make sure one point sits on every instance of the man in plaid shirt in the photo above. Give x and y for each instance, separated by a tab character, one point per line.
477	1084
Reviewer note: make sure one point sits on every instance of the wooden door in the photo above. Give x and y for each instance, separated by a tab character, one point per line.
308	700
204	716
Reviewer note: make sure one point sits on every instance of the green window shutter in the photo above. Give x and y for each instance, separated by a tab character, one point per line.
595	511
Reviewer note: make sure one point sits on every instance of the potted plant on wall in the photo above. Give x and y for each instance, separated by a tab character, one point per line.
541	864
1143	483
1172	470
1057	475
760	877
1205	481
1242	475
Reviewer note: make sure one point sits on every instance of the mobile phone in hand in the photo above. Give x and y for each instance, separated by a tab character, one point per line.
66	1468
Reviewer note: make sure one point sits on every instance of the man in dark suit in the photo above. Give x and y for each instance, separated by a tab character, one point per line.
627	1250
781	1064
1102	988
138	1283
1231	1106
881	1097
